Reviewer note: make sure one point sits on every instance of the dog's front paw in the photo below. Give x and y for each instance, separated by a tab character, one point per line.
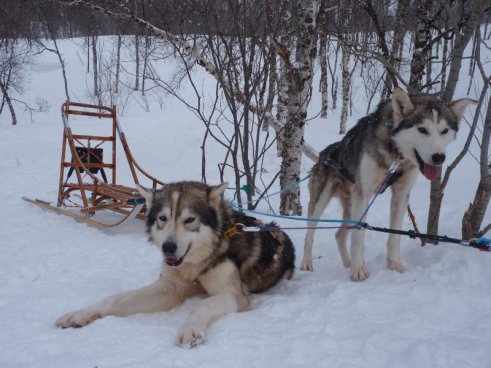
190	337
77	319
396	266
359	273
307	265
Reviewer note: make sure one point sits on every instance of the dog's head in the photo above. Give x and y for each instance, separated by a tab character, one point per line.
184	220
423	127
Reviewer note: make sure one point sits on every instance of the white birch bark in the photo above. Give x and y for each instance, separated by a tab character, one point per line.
323	66
118	65
345	87
97	92
300	83
346	75
282	104
421	38
272	79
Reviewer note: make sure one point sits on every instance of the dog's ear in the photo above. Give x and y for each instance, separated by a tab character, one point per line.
147	194
216	193
401	105
458	106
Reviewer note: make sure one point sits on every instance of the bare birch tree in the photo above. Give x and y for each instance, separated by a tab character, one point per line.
346	53
118	65
323	85
421	40
283	85
300	81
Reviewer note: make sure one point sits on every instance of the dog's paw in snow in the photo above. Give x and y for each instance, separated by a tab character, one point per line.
396	266
190	337
306	265
359	273
77	319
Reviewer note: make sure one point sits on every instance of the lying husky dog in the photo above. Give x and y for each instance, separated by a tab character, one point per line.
414	131
196	230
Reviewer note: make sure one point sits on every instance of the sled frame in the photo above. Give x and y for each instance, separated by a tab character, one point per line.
95	194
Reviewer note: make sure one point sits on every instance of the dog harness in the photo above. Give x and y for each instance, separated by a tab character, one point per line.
329	161
392	174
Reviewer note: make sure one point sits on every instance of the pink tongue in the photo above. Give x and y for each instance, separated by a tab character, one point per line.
431	172
170	261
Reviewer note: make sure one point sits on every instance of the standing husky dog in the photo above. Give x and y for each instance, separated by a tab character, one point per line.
415	131
195	228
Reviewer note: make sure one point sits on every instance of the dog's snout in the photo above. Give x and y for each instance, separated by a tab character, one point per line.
438	158
169	247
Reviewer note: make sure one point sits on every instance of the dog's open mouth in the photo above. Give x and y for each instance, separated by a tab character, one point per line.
429	171
175	262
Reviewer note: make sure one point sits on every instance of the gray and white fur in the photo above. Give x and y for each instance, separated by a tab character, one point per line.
196	230
413	130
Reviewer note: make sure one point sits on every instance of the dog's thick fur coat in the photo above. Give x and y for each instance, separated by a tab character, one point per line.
195	228
415	131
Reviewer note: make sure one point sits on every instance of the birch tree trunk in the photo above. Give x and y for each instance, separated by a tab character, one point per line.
285	66
7	99
87	44
282	106
399	32
137	63
63	69
272	76
421	39
56	50
346	82
323	58
345	87
323	65
145	62
444	66
462	38
118	65
474	216
300	82
272	82
95	71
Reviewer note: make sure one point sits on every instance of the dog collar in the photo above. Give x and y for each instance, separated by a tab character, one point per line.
230	231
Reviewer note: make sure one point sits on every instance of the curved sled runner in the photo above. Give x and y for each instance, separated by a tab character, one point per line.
90	185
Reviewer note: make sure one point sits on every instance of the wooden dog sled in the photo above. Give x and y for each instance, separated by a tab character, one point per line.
83	188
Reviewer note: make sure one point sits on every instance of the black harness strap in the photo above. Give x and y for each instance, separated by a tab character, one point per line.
443	238
390	179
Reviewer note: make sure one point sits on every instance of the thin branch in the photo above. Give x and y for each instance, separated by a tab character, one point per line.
194	53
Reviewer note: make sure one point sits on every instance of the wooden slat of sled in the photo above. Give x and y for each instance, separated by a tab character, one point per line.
46	205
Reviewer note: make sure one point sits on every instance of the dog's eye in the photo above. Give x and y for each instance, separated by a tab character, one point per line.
445	131
163	218
422	130
189	220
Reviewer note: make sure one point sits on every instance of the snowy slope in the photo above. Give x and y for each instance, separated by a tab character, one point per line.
436	314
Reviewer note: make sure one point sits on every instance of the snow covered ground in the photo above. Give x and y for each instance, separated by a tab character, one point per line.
437	314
